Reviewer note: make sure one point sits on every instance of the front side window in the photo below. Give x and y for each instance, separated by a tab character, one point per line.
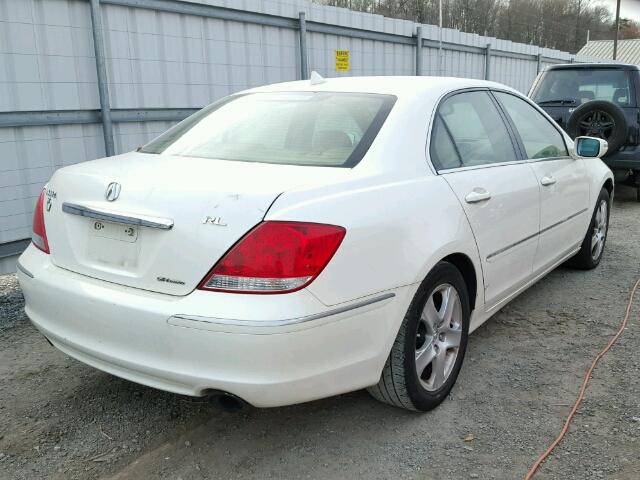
540	138
295	128
469	131
579	85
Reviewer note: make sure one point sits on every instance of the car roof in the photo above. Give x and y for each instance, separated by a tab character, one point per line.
593	66
400	86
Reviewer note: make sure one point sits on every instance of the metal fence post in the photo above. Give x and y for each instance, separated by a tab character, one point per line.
103	87
304	69
419	50
539	66
487	62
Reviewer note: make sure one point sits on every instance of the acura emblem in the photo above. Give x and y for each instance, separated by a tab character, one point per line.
113	192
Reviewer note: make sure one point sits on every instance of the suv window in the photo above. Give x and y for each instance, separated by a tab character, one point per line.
581	85
469	131
540	138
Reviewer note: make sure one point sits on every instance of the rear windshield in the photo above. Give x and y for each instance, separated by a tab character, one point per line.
577	86
294	128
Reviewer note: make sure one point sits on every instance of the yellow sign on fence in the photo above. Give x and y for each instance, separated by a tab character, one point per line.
342	60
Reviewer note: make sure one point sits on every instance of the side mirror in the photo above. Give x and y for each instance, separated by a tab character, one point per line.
589	147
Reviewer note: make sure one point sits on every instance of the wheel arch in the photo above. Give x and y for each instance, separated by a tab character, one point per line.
468	270
608	185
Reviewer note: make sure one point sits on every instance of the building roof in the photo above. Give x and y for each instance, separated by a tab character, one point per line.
628	50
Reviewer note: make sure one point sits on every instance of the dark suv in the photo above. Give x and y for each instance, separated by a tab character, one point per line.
597	100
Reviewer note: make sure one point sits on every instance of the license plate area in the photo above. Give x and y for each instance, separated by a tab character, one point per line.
114	231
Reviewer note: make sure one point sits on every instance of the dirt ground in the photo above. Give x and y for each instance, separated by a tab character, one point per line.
61	419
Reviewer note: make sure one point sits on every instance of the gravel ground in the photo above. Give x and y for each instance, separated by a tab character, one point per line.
63	420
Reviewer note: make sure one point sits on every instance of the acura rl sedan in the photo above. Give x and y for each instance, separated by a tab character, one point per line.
306	239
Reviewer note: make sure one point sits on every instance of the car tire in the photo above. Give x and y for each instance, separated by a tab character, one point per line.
592	248
434	327
618	135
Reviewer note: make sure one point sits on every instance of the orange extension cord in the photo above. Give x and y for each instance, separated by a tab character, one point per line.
583	387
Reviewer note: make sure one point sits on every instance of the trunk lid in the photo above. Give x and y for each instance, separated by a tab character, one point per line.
210	204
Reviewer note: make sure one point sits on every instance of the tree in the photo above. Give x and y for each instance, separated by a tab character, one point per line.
560	24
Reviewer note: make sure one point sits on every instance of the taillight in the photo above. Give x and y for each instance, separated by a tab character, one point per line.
275	257
39	232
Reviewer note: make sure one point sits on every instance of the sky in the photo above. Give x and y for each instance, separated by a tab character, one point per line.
628	8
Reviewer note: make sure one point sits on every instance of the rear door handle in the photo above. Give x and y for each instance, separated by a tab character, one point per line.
547	180
477	195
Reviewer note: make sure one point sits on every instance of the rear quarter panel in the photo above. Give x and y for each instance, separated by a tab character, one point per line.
397	230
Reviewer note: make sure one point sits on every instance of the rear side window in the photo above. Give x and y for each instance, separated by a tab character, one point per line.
332	129
443	150
539	137
469	131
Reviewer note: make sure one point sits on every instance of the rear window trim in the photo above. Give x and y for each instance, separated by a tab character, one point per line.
358	153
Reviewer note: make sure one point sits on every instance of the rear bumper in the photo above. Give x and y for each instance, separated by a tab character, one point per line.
275	350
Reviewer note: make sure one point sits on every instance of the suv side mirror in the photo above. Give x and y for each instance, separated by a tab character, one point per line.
589	147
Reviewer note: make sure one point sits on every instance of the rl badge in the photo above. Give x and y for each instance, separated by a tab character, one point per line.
214	221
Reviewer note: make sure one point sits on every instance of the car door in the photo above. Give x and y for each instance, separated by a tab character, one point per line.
564	182
474	151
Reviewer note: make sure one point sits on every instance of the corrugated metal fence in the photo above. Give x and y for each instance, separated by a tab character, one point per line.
80	79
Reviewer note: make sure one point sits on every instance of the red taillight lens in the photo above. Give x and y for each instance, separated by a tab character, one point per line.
275	257
39	232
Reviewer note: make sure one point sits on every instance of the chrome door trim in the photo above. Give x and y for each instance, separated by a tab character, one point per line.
284	322
481	166
566	219
513	245
529	237
501	303
549	159
118	217
500	164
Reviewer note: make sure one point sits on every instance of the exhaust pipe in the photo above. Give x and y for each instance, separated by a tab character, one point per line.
228	402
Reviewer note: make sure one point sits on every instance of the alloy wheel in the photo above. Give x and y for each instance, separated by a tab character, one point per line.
599	230
438	337
597	124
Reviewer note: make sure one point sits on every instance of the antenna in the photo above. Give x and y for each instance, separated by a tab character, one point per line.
316	78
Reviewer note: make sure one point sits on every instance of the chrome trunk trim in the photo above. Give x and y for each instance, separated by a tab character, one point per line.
117	217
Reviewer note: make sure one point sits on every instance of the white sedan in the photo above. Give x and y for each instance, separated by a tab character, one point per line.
307	239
